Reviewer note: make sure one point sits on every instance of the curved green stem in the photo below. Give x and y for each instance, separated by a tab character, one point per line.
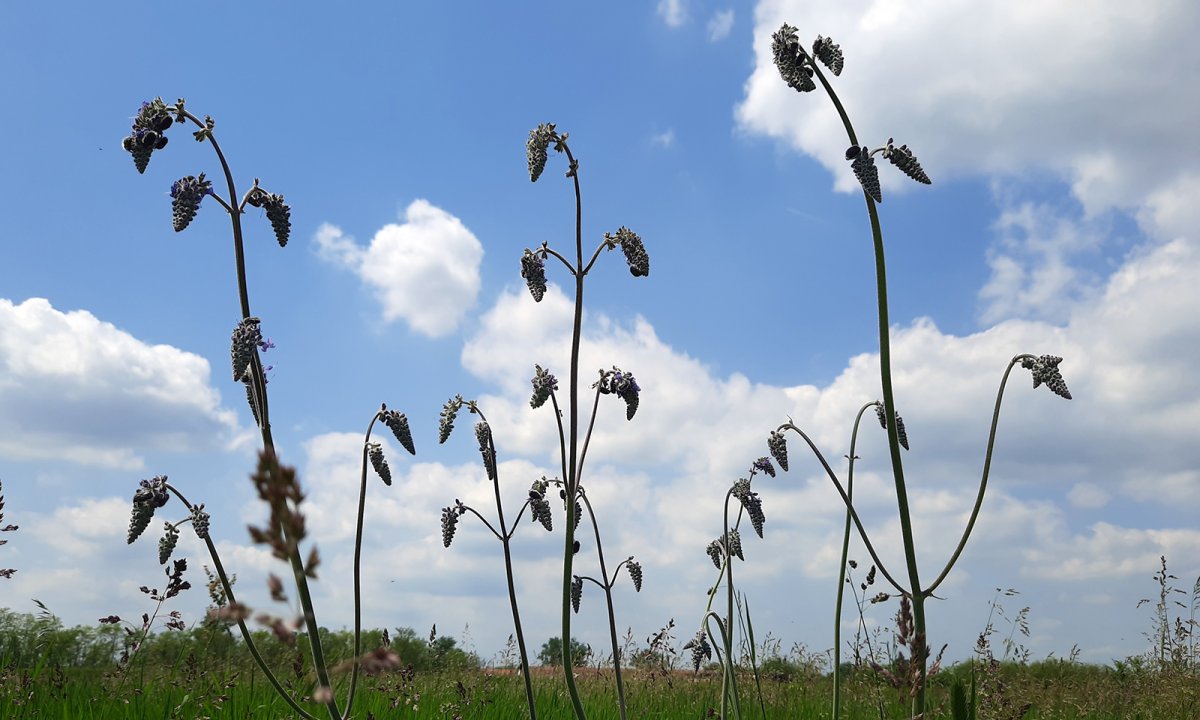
607	586
987	467
587	438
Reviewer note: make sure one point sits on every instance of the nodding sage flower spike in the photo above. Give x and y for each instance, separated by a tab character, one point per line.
450	521
763	465
533	269
576	593
635	573
398	424
379	462
150	495
830	54
868	175
250	399
200	521
777	444
635	251
543	384
1045	370
244	343
483	433
186	194
734	544
901	434
700	648
446	422
904	159
623	385
280	216
714	553
753	504
538	505
535	149
791	60
166	545
146	136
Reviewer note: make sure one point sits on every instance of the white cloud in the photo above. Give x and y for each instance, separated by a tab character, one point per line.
978	88
78	389
720	25
673	12
1087	495
664	139
424	271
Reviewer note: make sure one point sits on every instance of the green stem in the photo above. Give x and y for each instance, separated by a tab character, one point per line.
358	534
612	619
889	403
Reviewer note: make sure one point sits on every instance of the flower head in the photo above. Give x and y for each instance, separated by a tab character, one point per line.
533	269
243	345
830	54
166	545
398	424
1045	370
150	495
200	521
483	434
763	465
794	65
543	384
904	159
146	135
535	149
635	251
777	444
700	648
576	592
901	433
450	517
635	573
623	385
186	194
866	172
449	412
539	507
753	504
379	462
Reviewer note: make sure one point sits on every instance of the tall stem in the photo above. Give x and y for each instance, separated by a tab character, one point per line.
841	591
612	619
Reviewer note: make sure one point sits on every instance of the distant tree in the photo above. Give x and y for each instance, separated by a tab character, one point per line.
552	654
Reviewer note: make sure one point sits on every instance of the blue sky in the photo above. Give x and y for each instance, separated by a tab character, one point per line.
1060	221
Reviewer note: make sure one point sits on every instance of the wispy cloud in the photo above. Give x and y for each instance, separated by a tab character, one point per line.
664	139
424	271
673	12
720	25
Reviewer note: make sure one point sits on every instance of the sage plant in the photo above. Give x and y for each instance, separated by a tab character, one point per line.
801	70
275	484
572	447
5	573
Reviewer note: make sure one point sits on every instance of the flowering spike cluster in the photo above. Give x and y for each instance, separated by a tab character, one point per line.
763	465
864	169
150	495
753	504
700	648
734	543
244	343
533	269
250	399
535	149
635	251
450	517
539	506
1045	370
714	553
200	521
483	434
904	159
576	592
166	545
278	212
901	433
543	384
398	424
186	194
623	385
146	136
777	444
794	66
379	462
635	573
446	422
830	54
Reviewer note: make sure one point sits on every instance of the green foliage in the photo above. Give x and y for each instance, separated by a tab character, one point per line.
551	654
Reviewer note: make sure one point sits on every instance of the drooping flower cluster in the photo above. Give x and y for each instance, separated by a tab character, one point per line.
635	573
794	66
753	504
901	434
622	384
763	465
1045	370
777	445
829	53
150	495
539	506
146	136
533	269
278	212
450	517
244	343
446	421
535	149
200	521
864	168
576	592
398	424
483	434
379	462
166	545
700	648
186	194
728	546
543	384
904	159
635	251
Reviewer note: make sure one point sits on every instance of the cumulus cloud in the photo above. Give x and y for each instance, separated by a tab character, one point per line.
673	12
978	88
720	25
78	389
424	270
